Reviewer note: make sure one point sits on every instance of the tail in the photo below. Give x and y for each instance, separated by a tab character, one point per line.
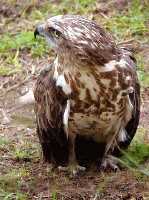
132	125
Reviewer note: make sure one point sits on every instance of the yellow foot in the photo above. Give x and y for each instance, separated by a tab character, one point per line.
74	170
62	169
77	170
109	162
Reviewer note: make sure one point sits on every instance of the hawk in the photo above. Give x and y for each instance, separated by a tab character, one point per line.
89	96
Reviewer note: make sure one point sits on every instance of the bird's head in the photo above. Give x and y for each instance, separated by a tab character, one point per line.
76	37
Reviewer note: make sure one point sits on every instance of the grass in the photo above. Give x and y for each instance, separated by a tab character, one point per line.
144	78
26	151
10	184
54	196
125	25
23	154
11	46
9	196
11	65
72	6
136	155
128	24
22	40
143	75
131	23
4	145
3	142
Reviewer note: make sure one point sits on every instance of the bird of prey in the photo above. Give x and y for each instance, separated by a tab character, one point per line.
90	92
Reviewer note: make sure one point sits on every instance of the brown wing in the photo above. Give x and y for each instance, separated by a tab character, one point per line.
132	125
49	108
84	144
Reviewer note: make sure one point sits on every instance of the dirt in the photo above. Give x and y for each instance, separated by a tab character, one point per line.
43	183
40	181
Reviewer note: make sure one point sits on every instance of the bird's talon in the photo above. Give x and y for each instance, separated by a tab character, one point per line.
116	169
77	171
109	163
62	169
73	170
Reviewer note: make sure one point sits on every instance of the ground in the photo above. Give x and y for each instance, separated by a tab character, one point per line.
23	175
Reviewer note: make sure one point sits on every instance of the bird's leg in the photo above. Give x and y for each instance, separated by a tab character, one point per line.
74	168
72	157
108	161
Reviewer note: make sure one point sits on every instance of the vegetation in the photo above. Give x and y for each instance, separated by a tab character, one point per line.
21	172
131	23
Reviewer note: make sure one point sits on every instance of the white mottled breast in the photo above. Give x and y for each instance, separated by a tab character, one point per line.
101	106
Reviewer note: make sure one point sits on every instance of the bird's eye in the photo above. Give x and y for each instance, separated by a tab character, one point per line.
55	32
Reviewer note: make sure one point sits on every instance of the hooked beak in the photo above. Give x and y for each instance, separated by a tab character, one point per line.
36	32
39	30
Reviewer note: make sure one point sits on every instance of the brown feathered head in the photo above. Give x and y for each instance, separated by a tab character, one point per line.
77	37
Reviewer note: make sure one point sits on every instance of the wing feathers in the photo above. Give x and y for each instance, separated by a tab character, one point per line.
49	109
